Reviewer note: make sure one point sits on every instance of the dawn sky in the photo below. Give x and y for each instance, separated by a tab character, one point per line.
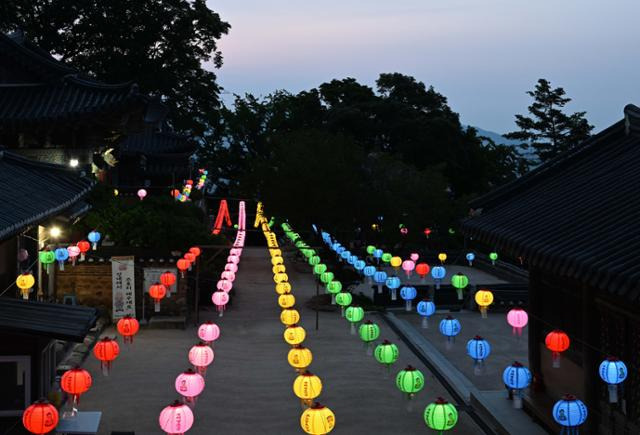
481	54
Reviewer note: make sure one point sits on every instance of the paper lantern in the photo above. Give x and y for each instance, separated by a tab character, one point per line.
408	266
294	334
344	255
280	277
307	387
23	255
189	385
128	327
220	299
371	249
167	279
61	256
299	357
278	268
386	257
408	294
317	420
369	272
224	285
414	256
478	350
106	350
450	327
142	193
182	266
286	300
283	288
73	252
386	353
369	332
84	247
557	342
228	276
380	277
234	267
377	254
440	415
410	381
470	257
326	277
427	232
354	314
176	419
393	283
333	288
191	258
438	273
174	193
75	382
518	319
484	298
208	332
40	418
157	292
569	413
493	256
359	265
460	282
395	262
47	258
426	308
233	259
422	269
319	269
94	237
201	356
276	260
344	299
289	316
613	372
25	283
442	257
516	377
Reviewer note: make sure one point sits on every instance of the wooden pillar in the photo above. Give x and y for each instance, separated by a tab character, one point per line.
589	357
535	326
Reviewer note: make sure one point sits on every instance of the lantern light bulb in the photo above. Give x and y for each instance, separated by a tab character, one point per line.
55	232
74	163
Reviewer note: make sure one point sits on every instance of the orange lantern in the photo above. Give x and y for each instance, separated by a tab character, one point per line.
128	327
557	342
84	246
40	418
175	193
182	265
195	251
190	257
167	279
76	382
106	350
157	292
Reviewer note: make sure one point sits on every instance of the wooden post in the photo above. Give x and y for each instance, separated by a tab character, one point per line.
589	359
534	325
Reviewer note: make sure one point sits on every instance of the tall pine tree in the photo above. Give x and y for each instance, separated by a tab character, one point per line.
549	131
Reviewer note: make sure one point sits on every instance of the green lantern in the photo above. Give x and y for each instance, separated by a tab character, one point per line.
326	277
386	353
308	253
344	299
319	269
386	257
410	381
333	287
370	249
441	415
493	257
314	260
354	314
369	332
47	257
459	281
300	244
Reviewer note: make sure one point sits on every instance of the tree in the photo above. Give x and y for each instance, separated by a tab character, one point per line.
549	131
161	45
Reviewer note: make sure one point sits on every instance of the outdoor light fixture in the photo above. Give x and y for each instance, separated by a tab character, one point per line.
55	232
74	163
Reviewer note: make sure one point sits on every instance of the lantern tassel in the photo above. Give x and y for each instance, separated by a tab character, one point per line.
437	284
425	323
555	357
379	289
459	292
483	312
333	299
105	365
613	393
517	399
156	306
353	329
407	305
342	311
394	294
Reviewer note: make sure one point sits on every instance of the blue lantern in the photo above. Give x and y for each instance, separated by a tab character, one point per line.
470	257
438	273
359	265
393	283
450	327
94	238
516	377
345	254
340	250
335	246
369	271
478	349
408	294
352	260
380	277
426	308
569	412
613	372
377	254
61	255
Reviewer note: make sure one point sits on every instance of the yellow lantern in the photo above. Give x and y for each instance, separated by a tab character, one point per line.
280	277
307	387
299	358
286	300
276	260
275	252
289	316
317	420
484	298
283	288
25	283
294	335
396	262
442	257
278	268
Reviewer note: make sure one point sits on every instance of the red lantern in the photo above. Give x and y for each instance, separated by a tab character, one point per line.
84	246
183	265
128	327
175	192
168	279
106	350
557	341
189	182
427	232
422	269
76	382
195	251
40	418
157	292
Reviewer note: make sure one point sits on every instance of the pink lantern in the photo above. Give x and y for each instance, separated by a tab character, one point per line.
236	251
224	285
220	299
23	255
141	194
189	384
414	256
233	259
408	266
201	356
74	252
518	319
229	276
176	418
231	267
208	332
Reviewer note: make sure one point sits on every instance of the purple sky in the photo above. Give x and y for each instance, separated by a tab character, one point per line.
482	54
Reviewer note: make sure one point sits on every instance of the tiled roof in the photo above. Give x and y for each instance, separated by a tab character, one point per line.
31	192
151	142
575	216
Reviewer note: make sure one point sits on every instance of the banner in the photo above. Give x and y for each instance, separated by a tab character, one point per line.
123	287
152	276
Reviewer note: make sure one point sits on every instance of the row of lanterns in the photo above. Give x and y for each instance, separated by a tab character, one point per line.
316	418
439	415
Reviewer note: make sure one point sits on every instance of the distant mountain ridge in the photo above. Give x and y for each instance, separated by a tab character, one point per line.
496	137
